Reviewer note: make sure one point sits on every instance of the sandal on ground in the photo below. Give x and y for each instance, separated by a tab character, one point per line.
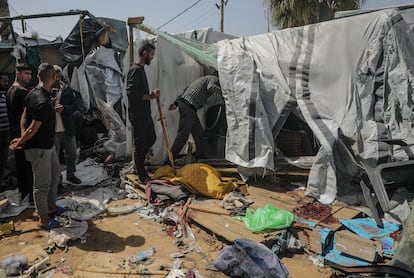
53	224
59	210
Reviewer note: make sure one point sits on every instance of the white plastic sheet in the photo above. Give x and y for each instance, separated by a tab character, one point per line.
350	76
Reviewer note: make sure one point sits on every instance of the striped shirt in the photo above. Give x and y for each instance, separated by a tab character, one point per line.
197	93
4	120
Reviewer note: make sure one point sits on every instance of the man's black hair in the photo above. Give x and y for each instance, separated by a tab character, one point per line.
22	67
145	46
45	71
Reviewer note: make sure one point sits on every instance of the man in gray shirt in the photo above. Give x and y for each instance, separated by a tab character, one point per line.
193	98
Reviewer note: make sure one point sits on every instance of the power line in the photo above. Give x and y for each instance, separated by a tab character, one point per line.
192	5
198	19
25	23
27	26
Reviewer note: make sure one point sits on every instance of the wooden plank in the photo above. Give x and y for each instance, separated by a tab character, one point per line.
213	210
311	238
135	180
135	20
225	226
227	171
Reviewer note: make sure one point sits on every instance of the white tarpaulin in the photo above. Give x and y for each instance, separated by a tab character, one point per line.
172	70
350	77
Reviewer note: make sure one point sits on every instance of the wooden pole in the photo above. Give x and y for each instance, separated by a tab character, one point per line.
165	132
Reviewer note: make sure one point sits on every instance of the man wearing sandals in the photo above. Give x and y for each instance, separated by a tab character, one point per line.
38	130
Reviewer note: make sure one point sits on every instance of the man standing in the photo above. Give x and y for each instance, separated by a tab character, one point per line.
140	110
4	124
193	98
65	106
38	131
16	97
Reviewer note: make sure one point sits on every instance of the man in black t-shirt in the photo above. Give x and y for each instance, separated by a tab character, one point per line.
139	108
37	140
15	98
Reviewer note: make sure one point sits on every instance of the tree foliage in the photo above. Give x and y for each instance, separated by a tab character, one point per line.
292	13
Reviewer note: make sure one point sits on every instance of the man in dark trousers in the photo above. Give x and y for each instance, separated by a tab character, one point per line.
16	97
139	112
193	98
38	132
4	124
66	108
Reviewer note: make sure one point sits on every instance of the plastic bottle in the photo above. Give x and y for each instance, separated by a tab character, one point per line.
142	256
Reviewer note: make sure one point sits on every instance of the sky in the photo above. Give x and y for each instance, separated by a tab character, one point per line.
241	17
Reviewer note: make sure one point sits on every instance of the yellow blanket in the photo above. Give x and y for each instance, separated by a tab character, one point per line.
198	178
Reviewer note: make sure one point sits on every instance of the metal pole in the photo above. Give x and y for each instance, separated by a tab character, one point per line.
222	16
131	45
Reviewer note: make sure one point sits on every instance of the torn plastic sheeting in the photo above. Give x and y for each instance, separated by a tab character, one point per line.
264	77
87	207
104	74
387	245
117	32
71	48
104	78
73	229
90	171
15	208
99	80
368	228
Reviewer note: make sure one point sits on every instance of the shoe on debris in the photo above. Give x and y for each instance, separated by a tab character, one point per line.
74	180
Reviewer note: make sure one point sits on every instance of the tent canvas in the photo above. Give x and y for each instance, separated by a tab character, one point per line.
350	77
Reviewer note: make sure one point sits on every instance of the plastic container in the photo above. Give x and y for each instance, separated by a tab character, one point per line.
142	256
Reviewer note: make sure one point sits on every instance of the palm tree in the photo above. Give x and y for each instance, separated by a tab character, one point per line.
292	13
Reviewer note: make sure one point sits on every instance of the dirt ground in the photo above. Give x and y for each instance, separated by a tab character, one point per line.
124	235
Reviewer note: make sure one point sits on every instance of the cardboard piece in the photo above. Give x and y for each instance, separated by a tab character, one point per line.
353	245
311	239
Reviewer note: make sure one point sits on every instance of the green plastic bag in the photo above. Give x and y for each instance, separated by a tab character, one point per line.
268	217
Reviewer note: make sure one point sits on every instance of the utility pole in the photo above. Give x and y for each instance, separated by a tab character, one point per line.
221	8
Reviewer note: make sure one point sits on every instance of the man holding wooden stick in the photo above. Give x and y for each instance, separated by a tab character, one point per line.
139	98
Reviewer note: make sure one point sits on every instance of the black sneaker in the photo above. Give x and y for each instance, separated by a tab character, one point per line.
74	180
144	179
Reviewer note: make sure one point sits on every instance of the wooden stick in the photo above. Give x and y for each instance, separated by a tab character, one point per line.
212	210
165	132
